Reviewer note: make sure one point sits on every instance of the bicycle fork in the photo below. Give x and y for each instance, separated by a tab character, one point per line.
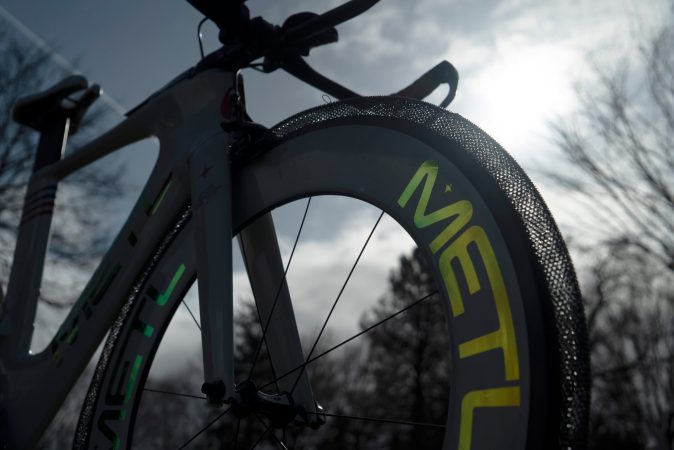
210	179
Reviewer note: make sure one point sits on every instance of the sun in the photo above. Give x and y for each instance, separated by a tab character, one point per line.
515	97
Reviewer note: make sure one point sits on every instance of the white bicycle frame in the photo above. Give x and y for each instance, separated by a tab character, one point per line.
193	167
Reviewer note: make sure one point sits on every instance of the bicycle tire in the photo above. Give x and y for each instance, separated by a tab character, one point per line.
399	154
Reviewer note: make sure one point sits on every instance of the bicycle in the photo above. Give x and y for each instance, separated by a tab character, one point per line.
518	346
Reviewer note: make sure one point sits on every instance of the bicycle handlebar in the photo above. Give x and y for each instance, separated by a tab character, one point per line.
281	47
329	19
233	19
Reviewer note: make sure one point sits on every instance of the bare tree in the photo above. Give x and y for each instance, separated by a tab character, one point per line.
622	149
630	303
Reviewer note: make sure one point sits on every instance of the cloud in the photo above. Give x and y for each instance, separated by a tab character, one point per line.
518	59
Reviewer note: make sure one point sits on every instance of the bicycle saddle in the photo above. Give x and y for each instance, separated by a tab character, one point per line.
35	111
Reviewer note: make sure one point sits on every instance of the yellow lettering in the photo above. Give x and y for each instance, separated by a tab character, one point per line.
504	336
487	398
459	214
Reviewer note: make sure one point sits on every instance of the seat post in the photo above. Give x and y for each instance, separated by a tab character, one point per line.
52	142
18	308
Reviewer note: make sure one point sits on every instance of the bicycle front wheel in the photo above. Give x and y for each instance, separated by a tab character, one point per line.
479	344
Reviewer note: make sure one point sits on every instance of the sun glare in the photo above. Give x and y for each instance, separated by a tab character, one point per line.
516	96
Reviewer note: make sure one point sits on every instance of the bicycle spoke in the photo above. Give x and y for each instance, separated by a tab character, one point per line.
220	416
346	341
334	304
266	345
260	438
374	419
190	311
177	394
278	441
278	291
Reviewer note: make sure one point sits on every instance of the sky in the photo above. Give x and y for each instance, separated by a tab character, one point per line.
519	62
518	59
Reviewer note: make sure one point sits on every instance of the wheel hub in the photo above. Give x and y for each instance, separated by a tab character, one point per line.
280	409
